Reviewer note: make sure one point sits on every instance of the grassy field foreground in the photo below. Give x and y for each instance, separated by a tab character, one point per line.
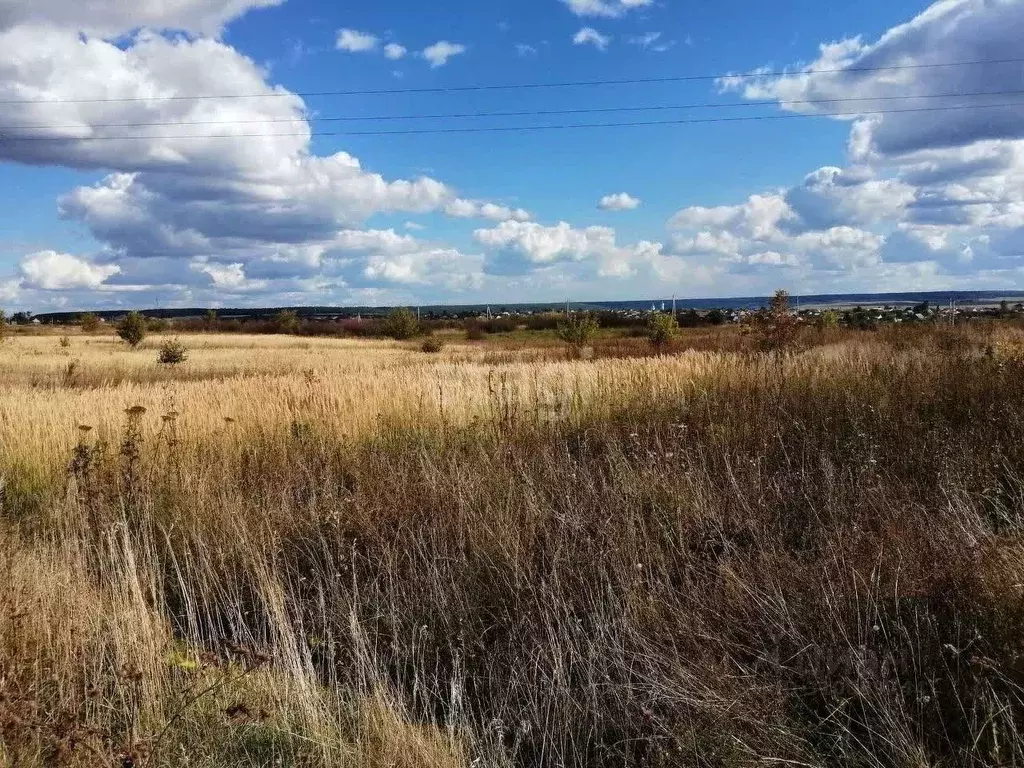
294	552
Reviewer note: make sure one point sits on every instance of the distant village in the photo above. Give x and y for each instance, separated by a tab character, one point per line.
864	317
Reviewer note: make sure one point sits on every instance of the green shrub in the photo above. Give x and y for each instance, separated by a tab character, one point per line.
776	326
172	352
661	329
287	321
578	330
475	332
401	324
828	319
132	329
89	322
432	345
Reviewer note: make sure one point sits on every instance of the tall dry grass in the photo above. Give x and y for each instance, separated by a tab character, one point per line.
710	559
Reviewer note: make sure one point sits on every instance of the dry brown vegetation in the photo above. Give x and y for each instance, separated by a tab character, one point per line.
318	552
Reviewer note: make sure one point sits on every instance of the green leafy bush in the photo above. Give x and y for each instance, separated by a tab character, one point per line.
172	352
132	329
401	324
661	329
89	322
578	330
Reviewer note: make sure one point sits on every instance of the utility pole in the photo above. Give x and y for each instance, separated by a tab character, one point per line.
566	306
673	305
417	314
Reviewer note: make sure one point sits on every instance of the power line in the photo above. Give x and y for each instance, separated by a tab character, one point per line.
520	113
508	128
519	86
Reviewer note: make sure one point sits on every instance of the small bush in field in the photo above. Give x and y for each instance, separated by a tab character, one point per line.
64	342
661	329
172	352
287	321
578	330
828	319
474	332
89	322
132	329
401	324
777	328
432	345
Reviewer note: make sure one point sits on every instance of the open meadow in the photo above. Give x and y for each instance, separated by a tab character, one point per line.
291	551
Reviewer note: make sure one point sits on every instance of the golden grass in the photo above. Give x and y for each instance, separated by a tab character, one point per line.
236	387
694	559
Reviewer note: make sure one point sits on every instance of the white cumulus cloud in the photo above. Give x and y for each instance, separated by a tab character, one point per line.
609	9
590	36
394	51
618	202
117	17
53	271
354	41
440	52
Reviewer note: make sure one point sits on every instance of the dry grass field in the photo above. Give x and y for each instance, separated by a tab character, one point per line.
323	552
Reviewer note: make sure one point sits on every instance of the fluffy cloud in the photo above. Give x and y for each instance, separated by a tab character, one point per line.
207	198
947	31
522	245
394	51
229	277
440	52
445	267
116	17
354	41
590	36
620	202
833	196
609	9
53	271
222	186
942	189
471	209
758	219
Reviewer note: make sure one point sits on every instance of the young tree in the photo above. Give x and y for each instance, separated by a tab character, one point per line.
777	327
3	325
401	324
132	329
661	329
172	352
287	321
89	322
828	319
211	319
716	317
577	330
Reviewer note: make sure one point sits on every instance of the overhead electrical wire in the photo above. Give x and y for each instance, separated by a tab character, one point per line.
518	113
518	86
509	129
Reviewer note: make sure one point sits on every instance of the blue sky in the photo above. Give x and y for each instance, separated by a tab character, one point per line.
163	211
